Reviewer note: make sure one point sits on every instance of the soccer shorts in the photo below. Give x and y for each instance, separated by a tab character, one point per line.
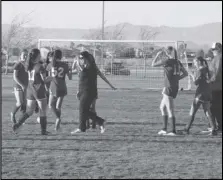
58	92
203	97
34	93
170	92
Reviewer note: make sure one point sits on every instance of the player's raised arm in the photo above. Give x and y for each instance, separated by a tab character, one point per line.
104	78
156	62
74	66
183	71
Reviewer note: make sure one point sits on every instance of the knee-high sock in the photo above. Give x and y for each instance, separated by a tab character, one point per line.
173	124
190	122
43	123
165	120
23	118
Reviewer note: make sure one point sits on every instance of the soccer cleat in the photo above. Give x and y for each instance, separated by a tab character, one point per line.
38	120
162	132
213	133
76	131
57	125
102	129
209	129
171	134
45	133
186	131
13	118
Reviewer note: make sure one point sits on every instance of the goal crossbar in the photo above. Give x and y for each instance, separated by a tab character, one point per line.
109	41
124	41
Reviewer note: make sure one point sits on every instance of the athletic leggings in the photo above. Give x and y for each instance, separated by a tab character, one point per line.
216	107
86	99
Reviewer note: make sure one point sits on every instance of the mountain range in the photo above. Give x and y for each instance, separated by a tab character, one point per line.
196	37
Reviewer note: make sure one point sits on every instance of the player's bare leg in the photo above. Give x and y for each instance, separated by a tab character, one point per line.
23	106
169	101
19	101
42	103
31	105
52	106
93	109
207	111
58	108
194	108
164	114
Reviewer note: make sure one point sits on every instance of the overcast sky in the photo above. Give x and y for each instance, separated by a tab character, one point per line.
88	14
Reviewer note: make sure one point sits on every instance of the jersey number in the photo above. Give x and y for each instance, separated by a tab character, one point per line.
176	70
58	73
31	75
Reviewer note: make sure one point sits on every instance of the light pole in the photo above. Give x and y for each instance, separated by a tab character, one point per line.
102	31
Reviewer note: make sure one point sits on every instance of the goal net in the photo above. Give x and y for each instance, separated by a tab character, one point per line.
125	63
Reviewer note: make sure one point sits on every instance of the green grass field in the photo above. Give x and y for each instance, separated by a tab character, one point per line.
130	147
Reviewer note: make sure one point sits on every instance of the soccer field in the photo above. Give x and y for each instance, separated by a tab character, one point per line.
129	148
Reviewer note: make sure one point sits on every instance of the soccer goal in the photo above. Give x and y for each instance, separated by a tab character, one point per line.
126	63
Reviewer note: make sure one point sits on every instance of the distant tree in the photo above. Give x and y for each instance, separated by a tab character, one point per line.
146	33
17	36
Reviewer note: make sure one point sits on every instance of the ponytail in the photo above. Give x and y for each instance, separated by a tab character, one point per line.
29	64
31	59
175	53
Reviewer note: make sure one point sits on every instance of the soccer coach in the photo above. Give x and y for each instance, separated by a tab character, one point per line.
216	83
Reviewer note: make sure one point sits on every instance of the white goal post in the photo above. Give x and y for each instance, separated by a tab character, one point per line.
127	61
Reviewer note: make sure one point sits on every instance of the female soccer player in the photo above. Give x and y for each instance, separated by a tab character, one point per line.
173	72
47	83
36	91
202	95
58	87
20	77
87	92
76	66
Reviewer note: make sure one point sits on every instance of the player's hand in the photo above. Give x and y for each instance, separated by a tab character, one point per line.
48	79
208	81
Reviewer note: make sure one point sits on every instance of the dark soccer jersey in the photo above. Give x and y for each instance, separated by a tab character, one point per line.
34	76
172	71
203	88
21	74
59	74
88	79
47	74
